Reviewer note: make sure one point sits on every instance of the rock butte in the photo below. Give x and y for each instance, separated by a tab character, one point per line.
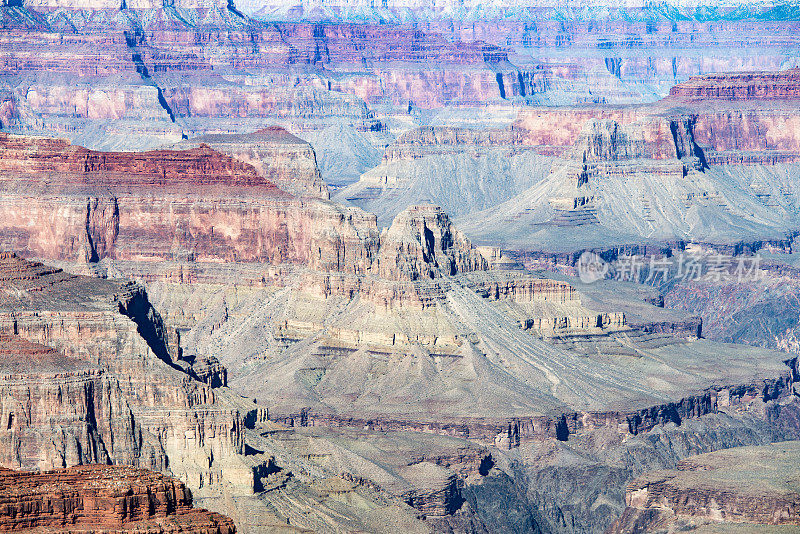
280	157
102	498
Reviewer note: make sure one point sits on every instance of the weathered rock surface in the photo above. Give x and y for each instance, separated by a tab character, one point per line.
463	170
733	87
109	386
717	172
421	244
209	207
102	498
90	373
283	159
751	485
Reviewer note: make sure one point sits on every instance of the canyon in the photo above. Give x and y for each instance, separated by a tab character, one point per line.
316	266
718	169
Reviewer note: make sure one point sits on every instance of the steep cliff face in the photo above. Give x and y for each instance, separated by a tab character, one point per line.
659	139
161	170
42	390
741	87
746	486
110	386
207	207
102	498
285	160
422	244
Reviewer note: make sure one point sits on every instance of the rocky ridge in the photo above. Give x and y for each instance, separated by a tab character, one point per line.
111	373
116	385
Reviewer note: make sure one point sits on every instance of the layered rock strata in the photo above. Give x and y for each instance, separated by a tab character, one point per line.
422	244
741	87
110	386
102	498
283	159
746	486
207	207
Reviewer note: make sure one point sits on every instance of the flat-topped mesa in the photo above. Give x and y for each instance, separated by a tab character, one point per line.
422	244
29	275
783	85
180	171
280	157
102	498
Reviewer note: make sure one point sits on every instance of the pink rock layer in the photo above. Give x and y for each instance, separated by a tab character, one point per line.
746	86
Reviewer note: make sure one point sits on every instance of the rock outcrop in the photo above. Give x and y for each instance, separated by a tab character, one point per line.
746	486
110	387
422	244
437	490
102	498
741	87
164	171
283	159
210	207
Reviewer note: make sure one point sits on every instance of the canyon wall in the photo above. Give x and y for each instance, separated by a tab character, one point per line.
706	490
111	379
752	86
207	207
102	498
277	155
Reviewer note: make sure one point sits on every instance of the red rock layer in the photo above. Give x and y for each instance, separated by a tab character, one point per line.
179	170
102	498
733	87
68	203
277	155
18	355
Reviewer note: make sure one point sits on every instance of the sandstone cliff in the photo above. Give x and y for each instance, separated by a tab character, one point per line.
102	498
210	207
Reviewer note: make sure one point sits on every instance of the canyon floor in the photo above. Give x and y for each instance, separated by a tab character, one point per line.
457	267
